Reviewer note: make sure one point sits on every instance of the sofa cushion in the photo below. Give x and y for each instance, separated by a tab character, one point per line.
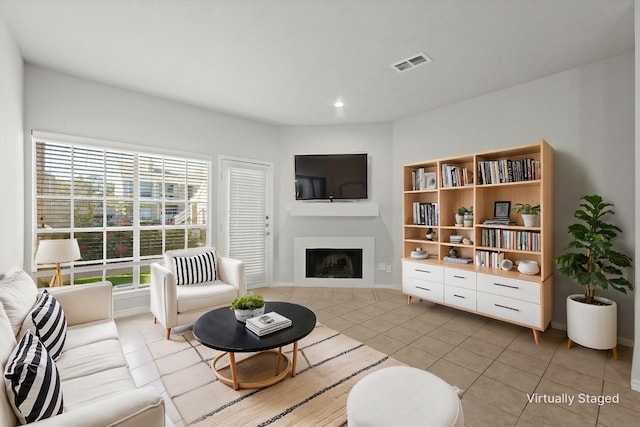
7	344
90	358
82	391
32	381
87	333
205	295
48	322
18	294
198	268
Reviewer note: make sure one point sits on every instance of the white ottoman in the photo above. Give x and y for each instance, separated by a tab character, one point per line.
403	396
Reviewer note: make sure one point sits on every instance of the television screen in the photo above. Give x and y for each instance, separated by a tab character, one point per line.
331	176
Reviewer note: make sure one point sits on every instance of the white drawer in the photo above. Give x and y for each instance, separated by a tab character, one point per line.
460	297
501	307
459	277
508	287
422	289
422	271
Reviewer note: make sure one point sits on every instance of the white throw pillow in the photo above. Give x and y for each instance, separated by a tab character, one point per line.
18	294
196	269
32	381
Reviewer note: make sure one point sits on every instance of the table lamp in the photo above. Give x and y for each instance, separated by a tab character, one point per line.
55	252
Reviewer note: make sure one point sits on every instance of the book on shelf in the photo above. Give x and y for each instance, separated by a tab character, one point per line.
506	170
267	323
423	180
499	221
425	213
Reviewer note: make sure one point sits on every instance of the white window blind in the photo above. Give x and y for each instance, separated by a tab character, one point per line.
125	208
247	207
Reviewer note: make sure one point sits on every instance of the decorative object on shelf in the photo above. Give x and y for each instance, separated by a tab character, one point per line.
419	254
530	214
431	235
453	253
459	216
592	320
247	306
529	267
506	264
56	251
467	241
501	209
456	238
468	217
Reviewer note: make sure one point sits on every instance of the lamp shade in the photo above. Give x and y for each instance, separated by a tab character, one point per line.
58	250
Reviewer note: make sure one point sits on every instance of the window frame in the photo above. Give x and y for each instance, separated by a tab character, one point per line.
136	262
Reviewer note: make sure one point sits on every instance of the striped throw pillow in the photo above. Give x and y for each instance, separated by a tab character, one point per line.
32	381
50	323
196	269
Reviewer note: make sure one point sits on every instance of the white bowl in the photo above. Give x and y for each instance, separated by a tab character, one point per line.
419	254
528	267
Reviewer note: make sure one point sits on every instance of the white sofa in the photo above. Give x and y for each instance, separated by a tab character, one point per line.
174	305
97	387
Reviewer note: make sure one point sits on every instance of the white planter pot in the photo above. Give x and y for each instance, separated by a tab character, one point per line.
593	326
459	219
531	220
243	315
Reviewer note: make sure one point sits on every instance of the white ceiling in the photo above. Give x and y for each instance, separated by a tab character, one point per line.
287	61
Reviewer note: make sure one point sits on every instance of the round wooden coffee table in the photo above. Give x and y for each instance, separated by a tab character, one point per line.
219	329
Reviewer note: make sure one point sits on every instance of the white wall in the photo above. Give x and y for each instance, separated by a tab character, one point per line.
373	139
635	367
11	161
61	103
586	114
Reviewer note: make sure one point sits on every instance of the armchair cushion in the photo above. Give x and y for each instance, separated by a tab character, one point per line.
32	381
205	296
198	268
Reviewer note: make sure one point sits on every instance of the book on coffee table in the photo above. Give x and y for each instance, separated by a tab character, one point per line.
267	323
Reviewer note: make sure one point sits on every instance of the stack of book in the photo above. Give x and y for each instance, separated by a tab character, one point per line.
499	221
267	323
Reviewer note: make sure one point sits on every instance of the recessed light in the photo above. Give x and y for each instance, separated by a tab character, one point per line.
338	104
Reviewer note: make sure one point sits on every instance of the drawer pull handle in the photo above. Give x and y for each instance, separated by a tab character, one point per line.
423	271
424	289
504	306
506	286
459	277
459	296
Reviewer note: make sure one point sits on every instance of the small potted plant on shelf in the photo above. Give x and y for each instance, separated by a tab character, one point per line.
530	214
247	306
592	320
460	212
468	217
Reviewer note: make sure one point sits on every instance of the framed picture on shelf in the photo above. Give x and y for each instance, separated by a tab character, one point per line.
430	179
501	209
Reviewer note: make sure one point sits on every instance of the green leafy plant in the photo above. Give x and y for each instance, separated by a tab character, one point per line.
526	209
596	264
247	302
462	210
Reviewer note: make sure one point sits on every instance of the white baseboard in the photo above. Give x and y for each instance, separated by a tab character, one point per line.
622	341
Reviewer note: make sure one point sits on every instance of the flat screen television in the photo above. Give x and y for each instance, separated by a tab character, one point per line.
331	176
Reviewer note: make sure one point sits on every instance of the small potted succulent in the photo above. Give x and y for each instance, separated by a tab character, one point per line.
459	216
247	306
468	217
530	214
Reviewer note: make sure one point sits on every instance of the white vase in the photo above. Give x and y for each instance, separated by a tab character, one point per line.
459	219
529	267
531	220
243	315
592	326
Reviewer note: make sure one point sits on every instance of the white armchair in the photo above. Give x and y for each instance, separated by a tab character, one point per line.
175	305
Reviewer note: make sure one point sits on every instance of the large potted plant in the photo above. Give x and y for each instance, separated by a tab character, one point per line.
592	262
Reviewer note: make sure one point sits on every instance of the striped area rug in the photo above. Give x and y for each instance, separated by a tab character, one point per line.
329	365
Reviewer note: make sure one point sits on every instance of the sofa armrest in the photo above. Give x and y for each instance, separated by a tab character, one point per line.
231	272
133	408
163	293
85	303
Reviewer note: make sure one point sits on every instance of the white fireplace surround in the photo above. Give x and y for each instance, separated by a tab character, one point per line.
301	244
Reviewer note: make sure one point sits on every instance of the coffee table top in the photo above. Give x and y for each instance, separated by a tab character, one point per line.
220	330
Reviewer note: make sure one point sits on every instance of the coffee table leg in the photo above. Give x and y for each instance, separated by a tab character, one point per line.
234	372
279	359
295	359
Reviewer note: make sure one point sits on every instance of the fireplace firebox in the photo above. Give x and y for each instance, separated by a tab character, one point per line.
333	263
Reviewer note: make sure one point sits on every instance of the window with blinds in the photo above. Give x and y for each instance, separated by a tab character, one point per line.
125	208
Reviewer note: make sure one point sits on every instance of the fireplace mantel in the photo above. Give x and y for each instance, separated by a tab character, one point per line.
338	208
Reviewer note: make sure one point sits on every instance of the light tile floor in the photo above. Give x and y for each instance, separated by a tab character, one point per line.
497	364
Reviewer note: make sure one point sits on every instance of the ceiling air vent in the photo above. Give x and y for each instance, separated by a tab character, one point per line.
409	63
